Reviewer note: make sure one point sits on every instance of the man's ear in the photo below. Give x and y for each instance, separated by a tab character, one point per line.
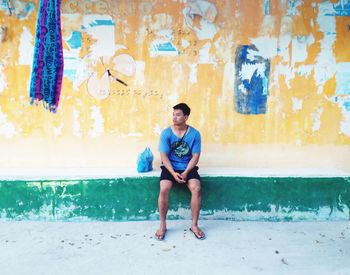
186	117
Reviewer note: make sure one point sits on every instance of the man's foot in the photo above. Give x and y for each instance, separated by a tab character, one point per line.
160	234
197	232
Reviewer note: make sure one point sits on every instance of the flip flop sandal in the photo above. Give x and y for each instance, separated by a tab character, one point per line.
160	237
198	236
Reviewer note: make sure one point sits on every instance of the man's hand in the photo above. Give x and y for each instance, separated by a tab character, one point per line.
179	178
184	175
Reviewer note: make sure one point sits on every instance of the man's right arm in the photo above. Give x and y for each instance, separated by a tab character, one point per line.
166	162
164	149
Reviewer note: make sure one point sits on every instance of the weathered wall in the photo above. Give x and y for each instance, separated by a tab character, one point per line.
267	80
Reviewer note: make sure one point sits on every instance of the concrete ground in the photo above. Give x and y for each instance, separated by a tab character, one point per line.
130	248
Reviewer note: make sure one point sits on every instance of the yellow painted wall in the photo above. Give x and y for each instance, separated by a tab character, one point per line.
307	119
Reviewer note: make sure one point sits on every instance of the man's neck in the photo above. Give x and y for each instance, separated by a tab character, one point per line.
181	127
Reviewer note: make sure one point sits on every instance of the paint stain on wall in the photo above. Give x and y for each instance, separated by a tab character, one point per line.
3	33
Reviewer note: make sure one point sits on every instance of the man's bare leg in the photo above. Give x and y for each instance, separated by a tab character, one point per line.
195	187
163	205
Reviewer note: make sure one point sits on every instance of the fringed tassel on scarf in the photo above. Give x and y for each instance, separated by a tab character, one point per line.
47	70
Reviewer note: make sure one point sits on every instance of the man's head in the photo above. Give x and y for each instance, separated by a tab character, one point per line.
184	108
181	113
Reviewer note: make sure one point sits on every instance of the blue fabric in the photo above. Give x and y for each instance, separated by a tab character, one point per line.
180	154
47	69
144	161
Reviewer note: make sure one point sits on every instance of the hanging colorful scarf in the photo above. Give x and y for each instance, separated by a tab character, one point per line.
47	70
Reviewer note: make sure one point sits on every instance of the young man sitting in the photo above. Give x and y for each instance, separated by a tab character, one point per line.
180	147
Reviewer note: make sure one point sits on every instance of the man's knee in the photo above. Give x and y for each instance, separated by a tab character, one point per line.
165	186
195	186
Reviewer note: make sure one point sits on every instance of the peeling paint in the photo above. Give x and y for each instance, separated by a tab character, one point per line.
71	65
345	123
100	28
293	6
204	55
162	25
184	43
21	9
207	11
300	45
266	46
267	27
193	73
285	37
7	129
316	119
325	67
140	73
98	125
228	82
3	83
76	124
343	78
206	30
305	70
57	131
297	104
27	42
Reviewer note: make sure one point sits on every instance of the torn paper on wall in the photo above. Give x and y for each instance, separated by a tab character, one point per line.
207	11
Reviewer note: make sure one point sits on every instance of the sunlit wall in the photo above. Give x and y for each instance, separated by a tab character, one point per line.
268	82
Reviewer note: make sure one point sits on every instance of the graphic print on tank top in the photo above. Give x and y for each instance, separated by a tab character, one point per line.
180	148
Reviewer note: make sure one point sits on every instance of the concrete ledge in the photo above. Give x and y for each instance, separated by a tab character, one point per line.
135	198
82	173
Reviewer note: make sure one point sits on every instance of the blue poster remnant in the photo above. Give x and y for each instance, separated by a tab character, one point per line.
252	79
267	7
75	40
340	9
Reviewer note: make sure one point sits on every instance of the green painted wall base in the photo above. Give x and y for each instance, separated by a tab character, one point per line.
233	198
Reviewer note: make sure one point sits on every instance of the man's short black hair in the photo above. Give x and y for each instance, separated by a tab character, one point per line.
183	107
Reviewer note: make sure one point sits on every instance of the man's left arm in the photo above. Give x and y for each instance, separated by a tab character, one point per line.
195	156
193	162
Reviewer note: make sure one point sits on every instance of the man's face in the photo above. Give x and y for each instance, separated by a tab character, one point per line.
179	117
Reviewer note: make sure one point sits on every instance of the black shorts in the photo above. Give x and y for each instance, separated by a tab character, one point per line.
165	174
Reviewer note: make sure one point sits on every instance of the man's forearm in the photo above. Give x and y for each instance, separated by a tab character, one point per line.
166	162
193	162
